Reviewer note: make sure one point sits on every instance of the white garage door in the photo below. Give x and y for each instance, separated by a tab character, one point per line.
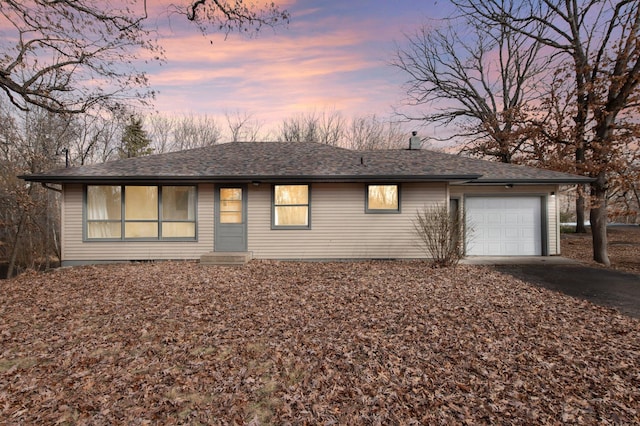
503	226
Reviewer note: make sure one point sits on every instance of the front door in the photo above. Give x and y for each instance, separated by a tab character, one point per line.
231	218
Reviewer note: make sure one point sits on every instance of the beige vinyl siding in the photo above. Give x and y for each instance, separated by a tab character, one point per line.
553	225
75	250
340	228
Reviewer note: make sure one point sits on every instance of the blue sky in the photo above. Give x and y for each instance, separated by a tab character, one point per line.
334	55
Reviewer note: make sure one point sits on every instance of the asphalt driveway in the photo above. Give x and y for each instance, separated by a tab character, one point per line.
604	287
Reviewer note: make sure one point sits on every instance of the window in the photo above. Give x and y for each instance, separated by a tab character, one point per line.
104	211
230	205
290	206
140	212
383	199
178	212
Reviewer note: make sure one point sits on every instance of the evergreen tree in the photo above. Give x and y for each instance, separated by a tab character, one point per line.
135	141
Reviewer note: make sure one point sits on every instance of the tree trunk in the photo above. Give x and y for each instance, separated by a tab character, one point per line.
598	217
580	202
14	249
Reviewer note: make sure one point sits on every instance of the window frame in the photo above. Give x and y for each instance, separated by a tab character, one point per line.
274	226
123	220
368	210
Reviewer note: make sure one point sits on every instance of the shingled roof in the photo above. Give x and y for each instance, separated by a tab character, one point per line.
297	161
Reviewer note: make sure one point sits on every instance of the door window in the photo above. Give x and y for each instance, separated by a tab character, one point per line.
230	205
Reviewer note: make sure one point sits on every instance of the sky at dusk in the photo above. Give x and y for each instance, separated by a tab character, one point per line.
333	56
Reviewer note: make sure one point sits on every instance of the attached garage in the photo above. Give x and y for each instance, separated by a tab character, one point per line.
504	226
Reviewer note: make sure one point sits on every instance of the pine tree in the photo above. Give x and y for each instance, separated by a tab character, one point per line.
135	141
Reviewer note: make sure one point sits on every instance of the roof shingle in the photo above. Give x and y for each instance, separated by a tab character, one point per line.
282	161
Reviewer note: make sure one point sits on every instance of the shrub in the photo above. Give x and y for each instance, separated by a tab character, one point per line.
438	233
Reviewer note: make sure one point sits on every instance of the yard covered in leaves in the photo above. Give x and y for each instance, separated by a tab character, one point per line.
316	343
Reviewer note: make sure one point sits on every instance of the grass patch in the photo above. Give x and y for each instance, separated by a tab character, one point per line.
567	229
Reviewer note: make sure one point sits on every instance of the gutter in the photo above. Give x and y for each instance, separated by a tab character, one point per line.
530	181
248	179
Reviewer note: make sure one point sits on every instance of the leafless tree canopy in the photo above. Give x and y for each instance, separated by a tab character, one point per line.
243	126
474	77
332	128
69	56
230	15
72	56
599	41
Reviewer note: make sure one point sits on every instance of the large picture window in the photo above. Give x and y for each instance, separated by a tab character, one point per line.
291	206
383	199
140	212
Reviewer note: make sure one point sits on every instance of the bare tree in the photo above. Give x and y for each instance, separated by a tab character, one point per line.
97	138
326	127
298	129
194	131
231	15
55	51
176	133
160	129
369	133
331	128
29	212
363	133
475	77
601	41
242	126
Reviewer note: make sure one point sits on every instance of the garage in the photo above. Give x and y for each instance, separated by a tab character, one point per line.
503	226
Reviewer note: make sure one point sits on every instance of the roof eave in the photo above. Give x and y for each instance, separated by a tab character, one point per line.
531	181
248	178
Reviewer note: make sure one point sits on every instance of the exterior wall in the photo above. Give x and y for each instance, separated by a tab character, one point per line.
75	250
340	229
553	222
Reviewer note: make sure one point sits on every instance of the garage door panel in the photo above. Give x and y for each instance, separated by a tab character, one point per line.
493	233
510	233
504	226
493	219
528	234
512	247
511	219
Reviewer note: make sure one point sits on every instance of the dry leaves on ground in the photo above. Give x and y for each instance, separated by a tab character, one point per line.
309	343
623	247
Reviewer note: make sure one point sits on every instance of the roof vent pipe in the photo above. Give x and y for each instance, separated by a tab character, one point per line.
414	141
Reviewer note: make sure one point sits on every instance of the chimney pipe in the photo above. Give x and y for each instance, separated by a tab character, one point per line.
414	141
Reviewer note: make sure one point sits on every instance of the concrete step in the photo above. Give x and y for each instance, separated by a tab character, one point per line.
225	258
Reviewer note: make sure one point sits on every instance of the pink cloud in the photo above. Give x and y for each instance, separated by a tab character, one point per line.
323	60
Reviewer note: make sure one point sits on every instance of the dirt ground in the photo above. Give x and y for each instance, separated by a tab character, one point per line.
624	248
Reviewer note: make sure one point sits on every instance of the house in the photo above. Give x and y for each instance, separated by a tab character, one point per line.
278	200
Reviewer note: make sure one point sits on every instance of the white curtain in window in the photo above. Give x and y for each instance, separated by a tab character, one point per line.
191	206
103	204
